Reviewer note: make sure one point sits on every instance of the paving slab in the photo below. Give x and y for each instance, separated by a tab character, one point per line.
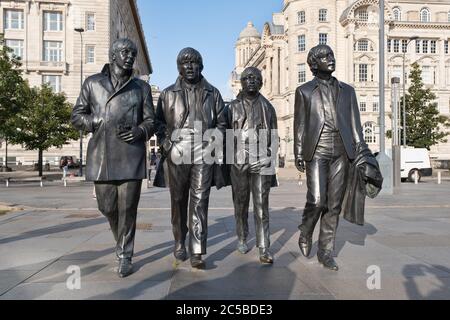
407	236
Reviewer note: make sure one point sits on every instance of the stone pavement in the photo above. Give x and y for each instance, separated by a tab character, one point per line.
406	238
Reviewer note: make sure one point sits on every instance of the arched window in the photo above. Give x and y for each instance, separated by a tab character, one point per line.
369	132
397	14
362	14
425	15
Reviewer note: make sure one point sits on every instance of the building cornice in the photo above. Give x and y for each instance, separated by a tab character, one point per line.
140	31
420	25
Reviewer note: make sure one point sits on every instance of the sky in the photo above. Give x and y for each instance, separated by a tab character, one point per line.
210	26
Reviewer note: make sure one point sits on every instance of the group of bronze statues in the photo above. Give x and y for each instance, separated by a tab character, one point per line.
118	110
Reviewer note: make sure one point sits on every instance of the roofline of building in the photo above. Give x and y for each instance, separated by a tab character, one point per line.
137	19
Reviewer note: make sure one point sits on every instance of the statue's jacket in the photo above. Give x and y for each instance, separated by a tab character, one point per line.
171	114
309	119
108	157
264	117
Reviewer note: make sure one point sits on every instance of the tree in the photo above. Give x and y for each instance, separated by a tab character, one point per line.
425	127
11	92
44	122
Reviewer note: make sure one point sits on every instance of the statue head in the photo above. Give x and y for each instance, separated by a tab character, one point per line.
190	65
251	81
123	53
321	60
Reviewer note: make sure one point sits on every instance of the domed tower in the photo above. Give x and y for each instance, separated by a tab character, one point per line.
248	42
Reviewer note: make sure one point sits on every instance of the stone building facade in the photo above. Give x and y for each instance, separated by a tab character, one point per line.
351	28
42	33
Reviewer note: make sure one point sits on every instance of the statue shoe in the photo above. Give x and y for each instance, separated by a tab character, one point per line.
125	267
180	252
305	244
242	246
197	262
265	256
325	257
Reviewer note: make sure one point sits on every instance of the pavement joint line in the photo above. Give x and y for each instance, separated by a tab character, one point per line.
48	265
15	217
32	275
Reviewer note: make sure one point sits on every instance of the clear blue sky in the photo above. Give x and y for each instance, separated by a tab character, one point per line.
210	26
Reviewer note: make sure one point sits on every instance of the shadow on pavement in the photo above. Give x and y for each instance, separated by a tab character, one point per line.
422	270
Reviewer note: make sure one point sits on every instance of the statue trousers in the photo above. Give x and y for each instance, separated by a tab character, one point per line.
190	184
326	176
243	183
118	202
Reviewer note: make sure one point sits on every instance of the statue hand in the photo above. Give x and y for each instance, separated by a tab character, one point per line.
96	123
131	136
300	164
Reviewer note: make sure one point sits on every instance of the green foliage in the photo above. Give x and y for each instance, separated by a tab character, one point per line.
11	90
425	127
44	122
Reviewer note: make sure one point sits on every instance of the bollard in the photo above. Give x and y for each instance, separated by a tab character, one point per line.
41	183
416	177
7	182
65	183
439	177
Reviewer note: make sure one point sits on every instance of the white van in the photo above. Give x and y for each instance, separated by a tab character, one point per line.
415	160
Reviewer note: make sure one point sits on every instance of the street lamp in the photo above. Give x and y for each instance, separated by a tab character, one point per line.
404	94
80	31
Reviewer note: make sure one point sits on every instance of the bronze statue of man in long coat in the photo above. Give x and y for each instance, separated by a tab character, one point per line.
118	110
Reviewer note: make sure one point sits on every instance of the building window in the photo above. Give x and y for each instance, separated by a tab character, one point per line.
90	22
369	132
323	13
425	15
53	51
362	73
417	46
301	18
375	104
362	15
389	45
396	45
301	43
14	19
53	81
433	46
323	38
427	75
397	14
404	46
362	106
90	54
16	46
301	73
424	46
53	21
362	45
446	46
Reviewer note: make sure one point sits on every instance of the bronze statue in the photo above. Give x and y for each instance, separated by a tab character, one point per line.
250	116
185	111
118	110
327	137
